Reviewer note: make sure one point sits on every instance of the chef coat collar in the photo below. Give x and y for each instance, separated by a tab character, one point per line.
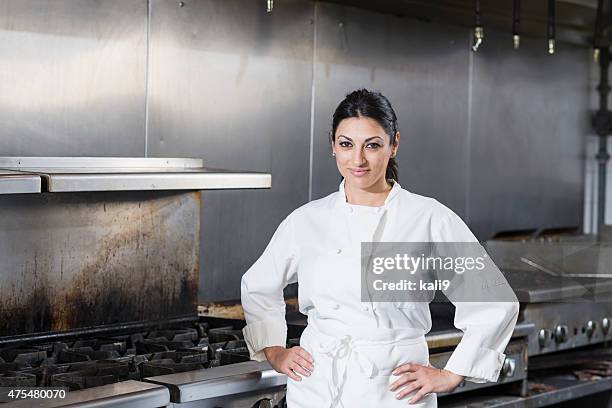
341	201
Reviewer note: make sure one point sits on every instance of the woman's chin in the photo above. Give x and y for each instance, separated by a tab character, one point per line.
360	181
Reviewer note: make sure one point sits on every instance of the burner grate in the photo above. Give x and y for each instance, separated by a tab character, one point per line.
93	374
90	362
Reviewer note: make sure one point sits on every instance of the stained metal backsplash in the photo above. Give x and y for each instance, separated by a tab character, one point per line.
87	259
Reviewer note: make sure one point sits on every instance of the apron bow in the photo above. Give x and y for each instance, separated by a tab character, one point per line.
342	352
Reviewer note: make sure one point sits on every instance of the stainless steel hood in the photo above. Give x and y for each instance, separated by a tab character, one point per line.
75	174
14	182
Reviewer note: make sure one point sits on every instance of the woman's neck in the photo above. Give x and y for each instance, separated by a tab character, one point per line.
373	196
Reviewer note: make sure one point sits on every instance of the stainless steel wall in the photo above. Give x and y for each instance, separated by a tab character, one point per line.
231	83
72	77
496	135
423	70
529	125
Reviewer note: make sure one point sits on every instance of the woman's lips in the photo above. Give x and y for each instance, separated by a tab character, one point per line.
358	172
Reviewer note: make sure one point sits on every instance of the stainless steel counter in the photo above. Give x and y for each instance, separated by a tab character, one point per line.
126	394
221	381
565	389
14	182
76	174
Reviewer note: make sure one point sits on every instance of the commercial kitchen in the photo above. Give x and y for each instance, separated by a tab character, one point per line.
149	149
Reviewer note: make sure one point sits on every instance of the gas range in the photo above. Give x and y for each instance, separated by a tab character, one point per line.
129	360
91	362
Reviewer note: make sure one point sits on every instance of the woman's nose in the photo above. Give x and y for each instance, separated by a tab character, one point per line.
358	157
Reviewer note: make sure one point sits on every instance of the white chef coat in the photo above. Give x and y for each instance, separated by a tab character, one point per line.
356	344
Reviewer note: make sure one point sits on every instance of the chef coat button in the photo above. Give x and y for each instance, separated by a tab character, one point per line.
335	306
365	308
339	250
350	209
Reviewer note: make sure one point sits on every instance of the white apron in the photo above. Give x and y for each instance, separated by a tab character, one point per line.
355	345
353	369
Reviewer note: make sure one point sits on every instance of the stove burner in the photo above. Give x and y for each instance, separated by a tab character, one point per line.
117	344
14	379
90	362
232	356
91	375
24	356
160	344
177	335
226	333
217	348
44	372
85	354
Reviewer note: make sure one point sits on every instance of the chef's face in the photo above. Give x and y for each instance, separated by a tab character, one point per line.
362	151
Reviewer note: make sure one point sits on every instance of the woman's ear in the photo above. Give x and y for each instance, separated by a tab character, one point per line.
396	144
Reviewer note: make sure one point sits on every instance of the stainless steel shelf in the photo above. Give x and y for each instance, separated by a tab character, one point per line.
14	182
75	174
564	390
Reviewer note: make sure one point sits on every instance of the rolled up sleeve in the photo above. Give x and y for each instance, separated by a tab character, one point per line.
262	292
487	328
487	324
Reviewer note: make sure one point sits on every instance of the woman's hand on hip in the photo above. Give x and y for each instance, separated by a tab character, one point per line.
423	379
292	361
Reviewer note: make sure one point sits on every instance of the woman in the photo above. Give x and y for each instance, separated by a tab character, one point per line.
354	353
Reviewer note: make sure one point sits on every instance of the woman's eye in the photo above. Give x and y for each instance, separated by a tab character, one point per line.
345	144
373	145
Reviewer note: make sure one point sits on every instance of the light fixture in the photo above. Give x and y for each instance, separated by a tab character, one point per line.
478	29
516	38
597	33
551	26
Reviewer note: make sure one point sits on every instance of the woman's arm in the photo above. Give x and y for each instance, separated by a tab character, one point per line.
262	292
264	306
486	308
487	324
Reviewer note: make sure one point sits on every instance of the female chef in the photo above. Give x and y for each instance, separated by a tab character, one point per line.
354	353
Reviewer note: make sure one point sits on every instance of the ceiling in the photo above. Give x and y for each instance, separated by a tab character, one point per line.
575	19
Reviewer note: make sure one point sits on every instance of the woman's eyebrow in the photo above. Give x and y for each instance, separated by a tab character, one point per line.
369	138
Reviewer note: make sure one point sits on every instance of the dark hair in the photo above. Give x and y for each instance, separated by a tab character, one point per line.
372	105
